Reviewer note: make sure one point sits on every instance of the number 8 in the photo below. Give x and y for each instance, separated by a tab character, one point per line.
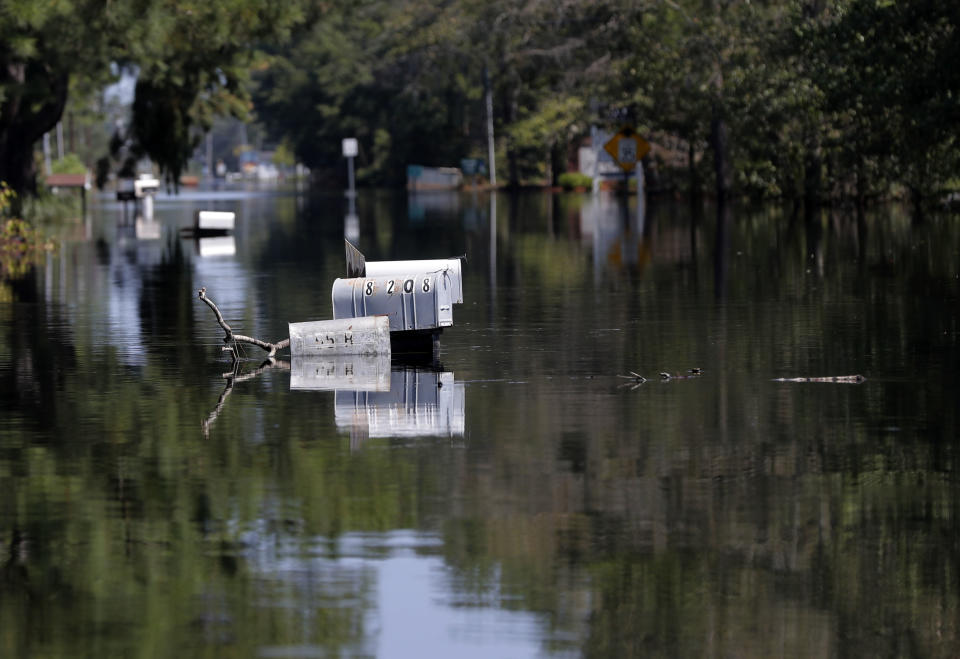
369	288
426	284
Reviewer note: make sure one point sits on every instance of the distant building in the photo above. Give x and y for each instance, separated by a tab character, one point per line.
433	178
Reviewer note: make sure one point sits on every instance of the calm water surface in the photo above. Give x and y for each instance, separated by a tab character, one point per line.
535	504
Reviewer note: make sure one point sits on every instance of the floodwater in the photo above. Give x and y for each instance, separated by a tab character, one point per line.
518	499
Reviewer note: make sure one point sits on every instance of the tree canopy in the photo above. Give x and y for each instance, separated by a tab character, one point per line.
192	59
812	98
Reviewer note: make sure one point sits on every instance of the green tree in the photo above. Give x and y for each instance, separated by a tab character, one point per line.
891	88
192	59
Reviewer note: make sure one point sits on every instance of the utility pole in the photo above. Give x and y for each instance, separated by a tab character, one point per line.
210	172
351	223
490	150
48	167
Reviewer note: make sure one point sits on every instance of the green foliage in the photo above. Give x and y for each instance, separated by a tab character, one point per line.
7	197
192	61
890	87
284	156
196	69
571	180
785	98
69	164
21	246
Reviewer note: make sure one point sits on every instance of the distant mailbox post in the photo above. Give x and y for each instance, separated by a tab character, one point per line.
350	151
351	223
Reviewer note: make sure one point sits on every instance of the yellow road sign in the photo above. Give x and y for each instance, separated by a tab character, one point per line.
627	148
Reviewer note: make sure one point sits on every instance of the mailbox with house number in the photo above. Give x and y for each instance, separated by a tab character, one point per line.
421	301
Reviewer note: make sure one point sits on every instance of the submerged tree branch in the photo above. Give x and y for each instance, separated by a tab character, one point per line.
232	339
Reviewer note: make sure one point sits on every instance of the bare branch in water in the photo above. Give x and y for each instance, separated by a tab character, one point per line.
232	339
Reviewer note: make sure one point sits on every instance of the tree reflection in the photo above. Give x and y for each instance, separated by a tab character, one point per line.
726	514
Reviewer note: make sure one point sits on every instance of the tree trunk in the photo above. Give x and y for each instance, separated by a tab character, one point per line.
812	177
557	163
861	186
33	106
694	175
720	142
513	165
916	201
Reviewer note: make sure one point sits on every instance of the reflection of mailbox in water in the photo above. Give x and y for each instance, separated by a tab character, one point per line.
356	372
412	302
419	403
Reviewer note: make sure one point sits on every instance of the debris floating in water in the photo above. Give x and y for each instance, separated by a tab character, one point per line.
842	379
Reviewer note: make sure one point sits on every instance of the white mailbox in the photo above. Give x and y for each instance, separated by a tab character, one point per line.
208	222
411	301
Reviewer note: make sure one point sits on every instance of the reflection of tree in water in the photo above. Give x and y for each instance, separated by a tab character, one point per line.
683	535
165	312
235	376
39	351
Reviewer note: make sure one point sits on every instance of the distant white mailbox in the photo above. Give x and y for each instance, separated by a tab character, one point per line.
214	221
350	147
130	189
145	185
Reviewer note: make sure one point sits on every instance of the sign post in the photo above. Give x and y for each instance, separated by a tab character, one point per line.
627	149
351	223
350	150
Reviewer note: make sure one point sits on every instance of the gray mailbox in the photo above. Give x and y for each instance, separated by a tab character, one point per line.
450	268
358	266
411	301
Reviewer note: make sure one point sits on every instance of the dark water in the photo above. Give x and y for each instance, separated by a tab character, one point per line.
536	504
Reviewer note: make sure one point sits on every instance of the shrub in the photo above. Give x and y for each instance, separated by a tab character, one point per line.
69	164
571	180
